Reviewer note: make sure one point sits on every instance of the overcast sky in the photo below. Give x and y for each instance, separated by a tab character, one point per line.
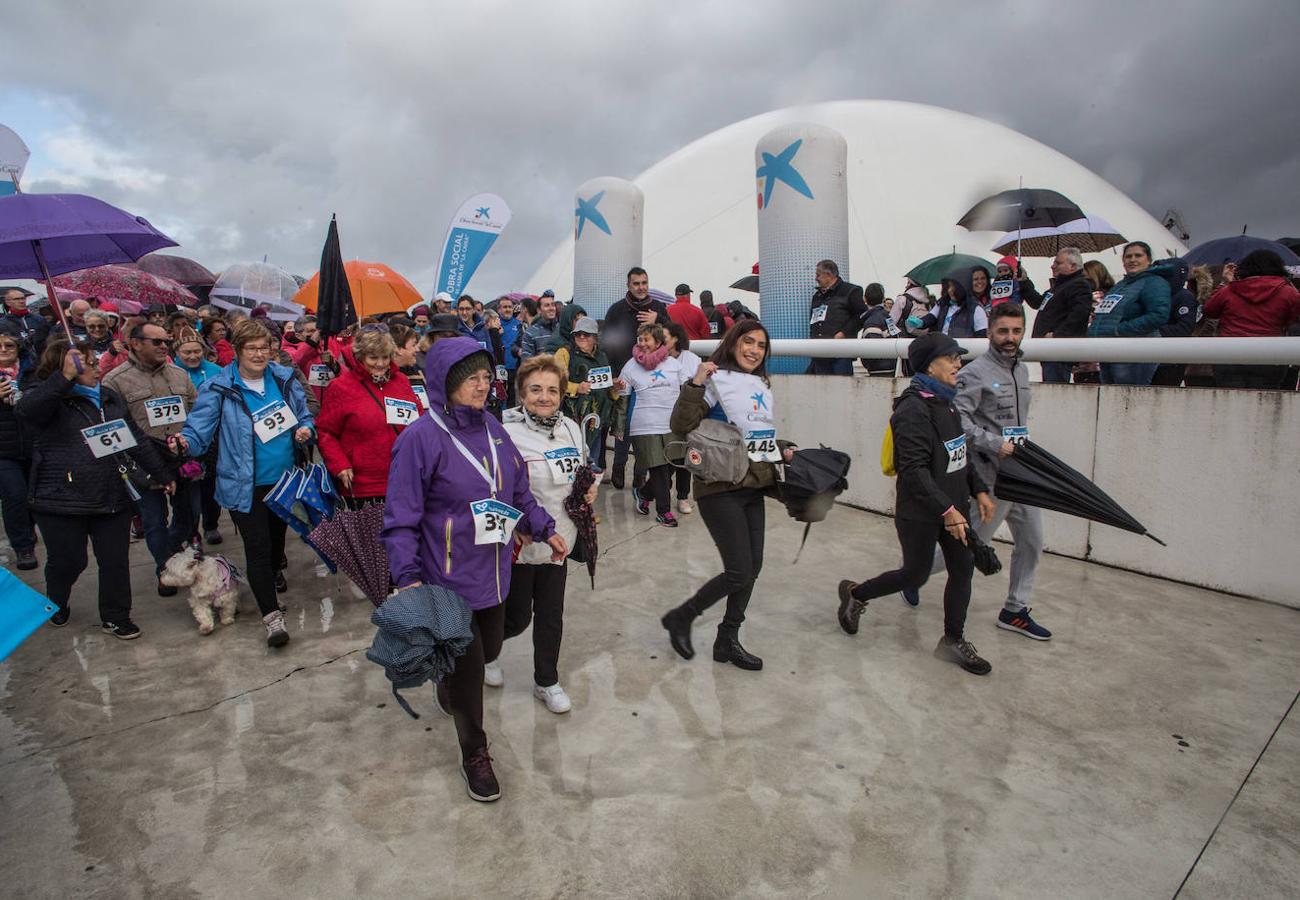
239	127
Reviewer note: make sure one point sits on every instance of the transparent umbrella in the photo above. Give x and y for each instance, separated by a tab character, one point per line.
247	286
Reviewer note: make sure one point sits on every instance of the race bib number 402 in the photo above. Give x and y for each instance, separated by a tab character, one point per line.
956	453
108	438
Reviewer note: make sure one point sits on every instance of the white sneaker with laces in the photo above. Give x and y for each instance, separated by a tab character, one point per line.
684	507
492	674
554	697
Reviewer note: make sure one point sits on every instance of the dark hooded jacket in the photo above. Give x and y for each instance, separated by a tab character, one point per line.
1063	310
928	433
564	328
619	332
965	321
1183	308
844	310
1136	306
1260	306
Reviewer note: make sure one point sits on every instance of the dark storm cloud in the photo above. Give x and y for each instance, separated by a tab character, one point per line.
254	121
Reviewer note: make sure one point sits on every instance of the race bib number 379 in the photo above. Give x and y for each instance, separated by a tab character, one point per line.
165	410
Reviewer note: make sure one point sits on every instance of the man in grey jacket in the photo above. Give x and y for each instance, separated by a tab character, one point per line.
993	400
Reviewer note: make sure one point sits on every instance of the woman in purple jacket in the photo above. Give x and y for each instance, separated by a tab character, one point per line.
458	500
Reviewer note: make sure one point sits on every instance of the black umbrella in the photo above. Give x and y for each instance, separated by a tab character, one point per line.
814	477
585	548
334	308
1034	477
748	283
1021	208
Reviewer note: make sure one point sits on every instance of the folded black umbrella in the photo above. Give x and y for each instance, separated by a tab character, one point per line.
1034	477
986	558
814	477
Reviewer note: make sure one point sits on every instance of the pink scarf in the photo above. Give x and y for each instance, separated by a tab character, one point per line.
649	361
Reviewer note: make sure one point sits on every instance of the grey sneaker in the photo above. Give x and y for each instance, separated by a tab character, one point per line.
963	653
850	608
276	635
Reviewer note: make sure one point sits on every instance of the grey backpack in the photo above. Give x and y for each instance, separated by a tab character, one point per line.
715	452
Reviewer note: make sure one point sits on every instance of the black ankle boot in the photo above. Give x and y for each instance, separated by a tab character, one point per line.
678	622
727	649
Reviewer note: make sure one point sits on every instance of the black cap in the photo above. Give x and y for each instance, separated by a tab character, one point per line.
929	347
548	293
444	322
683	290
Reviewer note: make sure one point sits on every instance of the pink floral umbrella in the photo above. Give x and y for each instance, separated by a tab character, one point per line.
127	283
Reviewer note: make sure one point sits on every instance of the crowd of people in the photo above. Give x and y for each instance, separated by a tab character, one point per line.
470	421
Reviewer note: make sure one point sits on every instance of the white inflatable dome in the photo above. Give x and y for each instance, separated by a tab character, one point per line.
914	170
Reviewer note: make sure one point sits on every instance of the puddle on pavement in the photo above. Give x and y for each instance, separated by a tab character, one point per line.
245	717
102	684
326	614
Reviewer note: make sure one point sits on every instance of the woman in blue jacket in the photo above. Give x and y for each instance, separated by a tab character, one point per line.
1136	307
258	411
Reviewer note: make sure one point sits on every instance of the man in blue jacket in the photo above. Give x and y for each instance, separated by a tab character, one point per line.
1136	307
511	334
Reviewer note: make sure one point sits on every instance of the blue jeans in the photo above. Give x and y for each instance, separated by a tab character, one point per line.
596	448
1057	372
1128	373
13	503
161	539
830	367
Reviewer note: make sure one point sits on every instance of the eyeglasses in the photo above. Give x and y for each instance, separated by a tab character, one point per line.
97	328
157	342
252	350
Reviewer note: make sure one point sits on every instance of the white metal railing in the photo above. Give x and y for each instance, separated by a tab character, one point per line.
1250	351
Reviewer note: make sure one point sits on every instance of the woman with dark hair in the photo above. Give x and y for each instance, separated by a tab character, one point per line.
732	386
957	314
935	485
87	452
1136	307
214	332
1257	299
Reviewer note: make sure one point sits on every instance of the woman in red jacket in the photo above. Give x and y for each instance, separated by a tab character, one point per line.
362	412
1256	300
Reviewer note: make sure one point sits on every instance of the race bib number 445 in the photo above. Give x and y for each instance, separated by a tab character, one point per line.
761	446
108	438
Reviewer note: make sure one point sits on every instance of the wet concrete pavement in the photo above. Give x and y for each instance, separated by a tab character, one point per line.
1095	765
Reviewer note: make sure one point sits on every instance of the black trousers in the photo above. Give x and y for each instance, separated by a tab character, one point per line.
917	540
211	511
462	692
537	596
1264	378
736	521
65	558
683	477
263	534
659	485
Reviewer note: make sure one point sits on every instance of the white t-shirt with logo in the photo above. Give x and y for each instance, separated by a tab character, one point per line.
747	403
654	394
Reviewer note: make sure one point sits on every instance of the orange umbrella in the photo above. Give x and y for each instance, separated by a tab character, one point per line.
375	289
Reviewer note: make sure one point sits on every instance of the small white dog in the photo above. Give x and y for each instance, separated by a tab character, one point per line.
213	582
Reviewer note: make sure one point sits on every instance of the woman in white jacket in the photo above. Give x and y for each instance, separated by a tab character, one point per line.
552	446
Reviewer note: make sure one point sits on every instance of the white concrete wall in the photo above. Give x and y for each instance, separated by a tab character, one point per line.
1215	474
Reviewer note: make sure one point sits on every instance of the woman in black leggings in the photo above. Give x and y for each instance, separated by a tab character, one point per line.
732	386
935	484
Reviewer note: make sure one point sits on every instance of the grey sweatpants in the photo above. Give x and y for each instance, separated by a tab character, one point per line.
1026	524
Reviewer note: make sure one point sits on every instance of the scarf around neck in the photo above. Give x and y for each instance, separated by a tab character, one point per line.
90	393
545	422
649	360
934	386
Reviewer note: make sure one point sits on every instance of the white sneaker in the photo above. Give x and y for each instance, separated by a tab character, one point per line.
684	507
554	697
492	674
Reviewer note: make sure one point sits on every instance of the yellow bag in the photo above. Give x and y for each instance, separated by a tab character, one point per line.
887	452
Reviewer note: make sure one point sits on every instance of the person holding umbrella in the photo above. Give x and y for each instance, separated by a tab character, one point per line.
551	445
935	484
362	413
88	453
458	493
733	386
257	411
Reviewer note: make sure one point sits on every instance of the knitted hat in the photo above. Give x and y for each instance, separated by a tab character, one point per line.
475	362
927	348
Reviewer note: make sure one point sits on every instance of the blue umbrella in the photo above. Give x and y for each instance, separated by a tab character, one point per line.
1232	249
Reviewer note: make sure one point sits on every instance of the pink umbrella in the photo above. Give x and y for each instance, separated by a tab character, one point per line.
127	283
178	268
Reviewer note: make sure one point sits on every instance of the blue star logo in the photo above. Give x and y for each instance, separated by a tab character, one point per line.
587	212
760	402
781	168
657	374
482	212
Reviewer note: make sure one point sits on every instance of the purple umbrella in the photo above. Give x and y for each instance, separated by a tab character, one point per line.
351	541
42	235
